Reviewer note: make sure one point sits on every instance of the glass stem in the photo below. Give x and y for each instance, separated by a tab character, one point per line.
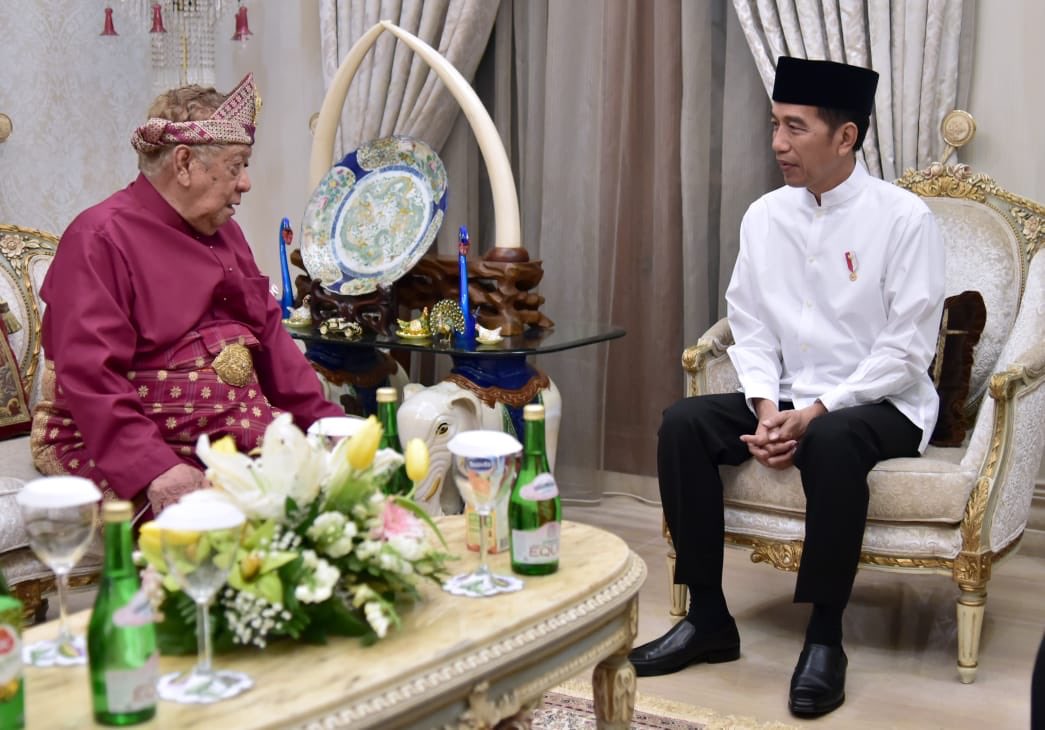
484	521
203	637
64	635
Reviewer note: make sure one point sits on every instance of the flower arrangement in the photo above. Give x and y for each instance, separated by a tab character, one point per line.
324	552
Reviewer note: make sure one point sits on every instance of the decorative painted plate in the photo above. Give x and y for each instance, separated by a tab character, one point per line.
374	215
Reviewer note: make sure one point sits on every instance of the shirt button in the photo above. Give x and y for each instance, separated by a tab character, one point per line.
805	348
812	259
809	304
230	268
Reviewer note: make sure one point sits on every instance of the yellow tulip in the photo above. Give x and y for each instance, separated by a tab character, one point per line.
416	459
180	538
224	445
151	544
363	444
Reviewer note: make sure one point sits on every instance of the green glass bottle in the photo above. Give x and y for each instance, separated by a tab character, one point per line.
121	638
12	688
386	413
535	510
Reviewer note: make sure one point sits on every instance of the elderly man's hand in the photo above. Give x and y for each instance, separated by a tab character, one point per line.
173	484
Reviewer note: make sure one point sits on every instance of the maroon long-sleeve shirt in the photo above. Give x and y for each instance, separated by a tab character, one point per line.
130	280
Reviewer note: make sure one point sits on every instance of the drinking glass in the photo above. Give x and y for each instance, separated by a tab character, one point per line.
484	467
60	514
332	429
200	539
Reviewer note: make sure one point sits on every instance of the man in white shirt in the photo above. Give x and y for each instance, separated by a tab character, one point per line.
834	305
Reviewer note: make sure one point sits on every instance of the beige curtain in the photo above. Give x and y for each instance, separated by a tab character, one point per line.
922	50
394	92
639	134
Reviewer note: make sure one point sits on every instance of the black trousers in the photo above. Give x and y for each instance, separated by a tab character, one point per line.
834	457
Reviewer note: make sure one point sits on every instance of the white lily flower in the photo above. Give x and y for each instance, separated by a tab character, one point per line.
233	473
289	466
289	460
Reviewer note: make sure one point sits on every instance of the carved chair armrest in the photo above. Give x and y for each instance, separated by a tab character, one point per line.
1018	393
699	360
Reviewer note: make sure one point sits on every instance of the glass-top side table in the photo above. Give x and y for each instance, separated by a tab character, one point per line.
493	371
563	336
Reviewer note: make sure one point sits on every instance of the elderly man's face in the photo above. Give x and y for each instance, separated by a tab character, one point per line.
217	182
810	154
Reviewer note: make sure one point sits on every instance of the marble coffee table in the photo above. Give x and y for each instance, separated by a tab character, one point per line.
456	662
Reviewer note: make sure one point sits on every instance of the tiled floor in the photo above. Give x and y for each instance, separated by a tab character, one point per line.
900	636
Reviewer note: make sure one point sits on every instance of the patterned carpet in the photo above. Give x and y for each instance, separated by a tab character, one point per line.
569	707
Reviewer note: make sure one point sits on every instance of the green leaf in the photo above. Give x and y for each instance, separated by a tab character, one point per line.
258	533
269	587
176	634
275	560
352	491
336	619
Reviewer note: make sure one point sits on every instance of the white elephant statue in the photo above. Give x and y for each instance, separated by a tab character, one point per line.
436	413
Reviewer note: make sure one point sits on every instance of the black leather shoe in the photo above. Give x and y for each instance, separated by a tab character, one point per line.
818	684
682	646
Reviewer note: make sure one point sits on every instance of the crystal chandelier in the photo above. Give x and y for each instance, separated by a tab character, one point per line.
181	36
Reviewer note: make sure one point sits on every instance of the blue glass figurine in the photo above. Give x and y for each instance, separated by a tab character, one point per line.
286	235
462	263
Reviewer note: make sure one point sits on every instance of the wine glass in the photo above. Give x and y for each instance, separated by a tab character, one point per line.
60	514
332	429
200	538
484	464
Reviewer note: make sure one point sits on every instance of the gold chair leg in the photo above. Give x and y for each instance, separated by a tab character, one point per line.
678	592
971	604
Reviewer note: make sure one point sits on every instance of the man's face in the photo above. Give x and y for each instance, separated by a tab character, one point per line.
217	181
809	154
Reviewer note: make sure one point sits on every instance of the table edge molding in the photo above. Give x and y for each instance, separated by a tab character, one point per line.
458	673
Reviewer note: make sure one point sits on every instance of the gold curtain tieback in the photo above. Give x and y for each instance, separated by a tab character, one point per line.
234	365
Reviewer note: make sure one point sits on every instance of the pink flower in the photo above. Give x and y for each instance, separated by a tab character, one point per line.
399	522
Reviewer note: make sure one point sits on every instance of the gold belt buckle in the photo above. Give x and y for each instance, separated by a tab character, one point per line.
234	365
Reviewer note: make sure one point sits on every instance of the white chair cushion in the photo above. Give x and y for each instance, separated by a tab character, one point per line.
902	540
931	489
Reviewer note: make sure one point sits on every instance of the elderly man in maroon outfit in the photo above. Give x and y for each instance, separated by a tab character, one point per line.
159	324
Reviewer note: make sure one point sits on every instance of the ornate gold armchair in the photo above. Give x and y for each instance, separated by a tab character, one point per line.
955	511
25	255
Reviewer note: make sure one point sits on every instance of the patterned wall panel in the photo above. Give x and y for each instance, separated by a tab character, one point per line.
73	97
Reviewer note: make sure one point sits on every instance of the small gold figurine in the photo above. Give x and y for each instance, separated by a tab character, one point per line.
415	328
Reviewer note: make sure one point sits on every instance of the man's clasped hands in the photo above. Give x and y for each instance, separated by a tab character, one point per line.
776	438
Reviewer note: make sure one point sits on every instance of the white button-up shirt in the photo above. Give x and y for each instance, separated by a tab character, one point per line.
839	301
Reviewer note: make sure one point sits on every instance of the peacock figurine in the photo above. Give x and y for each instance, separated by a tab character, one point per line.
446	318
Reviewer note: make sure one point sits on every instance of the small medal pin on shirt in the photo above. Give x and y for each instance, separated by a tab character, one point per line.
850	262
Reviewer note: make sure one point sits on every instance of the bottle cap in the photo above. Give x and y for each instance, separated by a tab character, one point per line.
533	412
118	510
387	395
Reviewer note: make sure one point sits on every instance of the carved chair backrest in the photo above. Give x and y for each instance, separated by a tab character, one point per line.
991	236
25	255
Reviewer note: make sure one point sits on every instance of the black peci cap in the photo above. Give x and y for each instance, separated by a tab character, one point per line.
824	84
